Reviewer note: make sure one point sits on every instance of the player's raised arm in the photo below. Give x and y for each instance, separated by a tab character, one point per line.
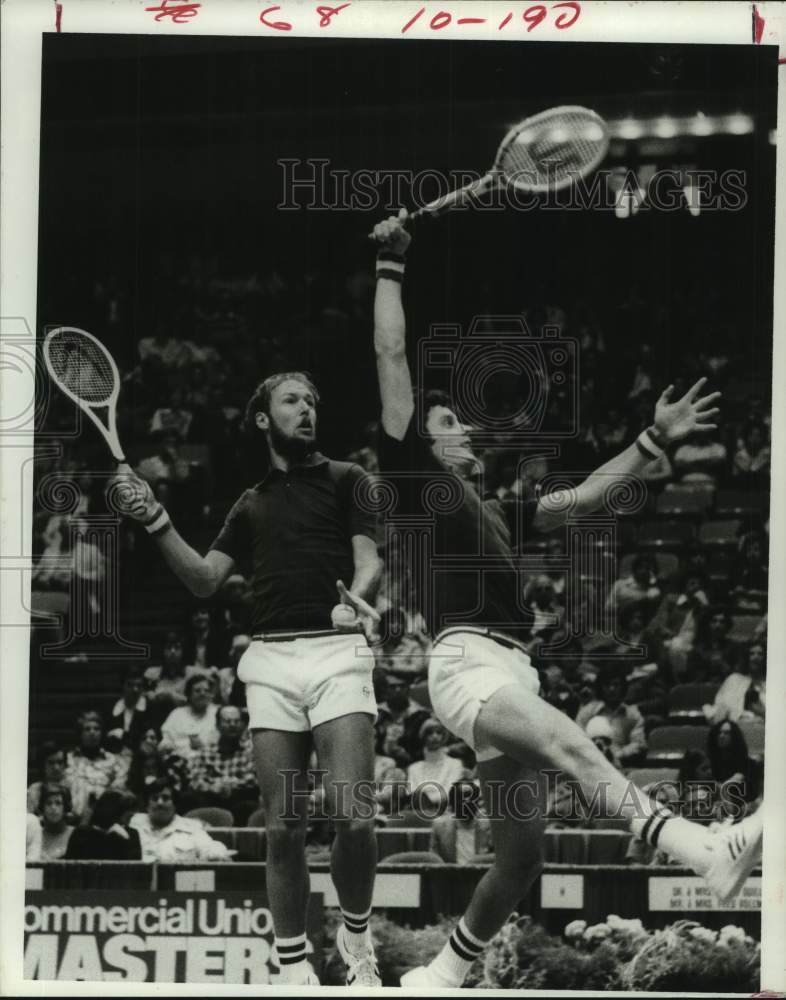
203	575
673	421
395	380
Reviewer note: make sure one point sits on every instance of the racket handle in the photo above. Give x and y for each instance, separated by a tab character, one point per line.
456	199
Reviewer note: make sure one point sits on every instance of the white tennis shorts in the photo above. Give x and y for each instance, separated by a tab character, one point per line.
297	684
465	670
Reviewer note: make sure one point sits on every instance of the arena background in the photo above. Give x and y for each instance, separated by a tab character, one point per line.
159	194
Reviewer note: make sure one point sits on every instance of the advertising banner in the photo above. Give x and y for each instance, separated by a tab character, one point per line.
163	937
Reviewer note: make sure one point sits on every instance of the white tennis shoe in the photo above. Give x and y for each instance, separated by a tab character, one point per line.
736	852
426	977
362	970
308	978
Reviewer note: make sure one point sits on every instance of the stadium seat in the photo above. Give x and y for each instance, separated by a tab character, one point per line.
249	843
224	834
419	840
686	701
720	534
393	821
707	489
415	819
392	842
753	731
566	847
413	858
669	743
212	816
667	564
749	602
739	503
607	847
684	500
664	534
611	822
743	627
644	776
257	818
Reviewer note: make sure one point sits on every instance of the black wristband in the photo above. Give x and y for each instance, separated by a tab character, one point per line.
390	265
158	521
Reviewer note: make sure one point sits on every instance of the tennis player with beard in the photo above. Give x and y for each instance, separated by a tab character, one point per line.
297	535
481	683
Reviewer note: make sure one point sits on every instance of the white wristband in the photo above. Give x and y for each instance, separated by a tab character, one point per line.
647	446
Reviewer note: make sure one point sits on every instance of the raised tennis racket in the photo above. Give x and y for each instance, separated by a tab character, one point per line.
83	369
547	152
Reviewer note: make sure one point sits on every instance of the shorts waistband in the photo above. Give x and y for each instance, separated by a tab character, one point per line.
290	635
488	633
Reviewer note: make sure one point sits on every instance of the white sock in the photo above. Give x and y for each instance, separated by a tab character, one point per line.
356	931
687	842
460	951
292	957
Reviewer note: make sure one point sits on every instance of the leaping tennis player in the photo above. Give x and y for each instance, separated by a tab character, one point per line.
481	683
297	535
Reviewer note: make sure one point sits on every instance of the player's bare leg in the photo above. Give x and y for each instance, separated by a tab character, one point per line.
523	726
517	829
345	749
282	763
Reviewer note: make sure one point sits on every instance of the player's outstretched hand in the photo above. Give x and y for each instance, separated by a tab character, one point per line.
392	233
693	412
353	614
130	495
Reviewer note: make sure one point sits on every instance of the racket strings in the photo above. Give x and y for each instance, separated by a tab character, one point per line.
82	367
554	150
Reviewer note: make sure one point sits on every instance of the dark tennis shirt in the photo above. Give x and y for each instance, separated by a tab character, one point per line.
291	536
463	568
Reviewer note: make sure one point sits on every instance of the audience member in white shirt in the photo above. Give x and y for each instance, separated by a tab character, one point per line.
189	729
430	778
170	838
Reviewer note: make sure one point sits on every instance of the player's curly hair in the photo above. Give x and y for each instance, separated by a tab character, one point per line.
433	397
260	400
428	398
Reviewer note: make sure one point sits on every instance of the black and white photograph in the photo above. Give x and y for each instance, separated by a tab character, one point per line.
390	526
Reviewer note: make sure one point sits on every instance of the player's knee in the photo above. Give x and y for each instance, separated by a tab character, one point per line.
284	836
570	752
355	830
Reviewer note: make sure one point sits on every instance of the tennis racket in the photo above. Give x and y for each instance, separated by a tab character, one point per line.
84	370
547	152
